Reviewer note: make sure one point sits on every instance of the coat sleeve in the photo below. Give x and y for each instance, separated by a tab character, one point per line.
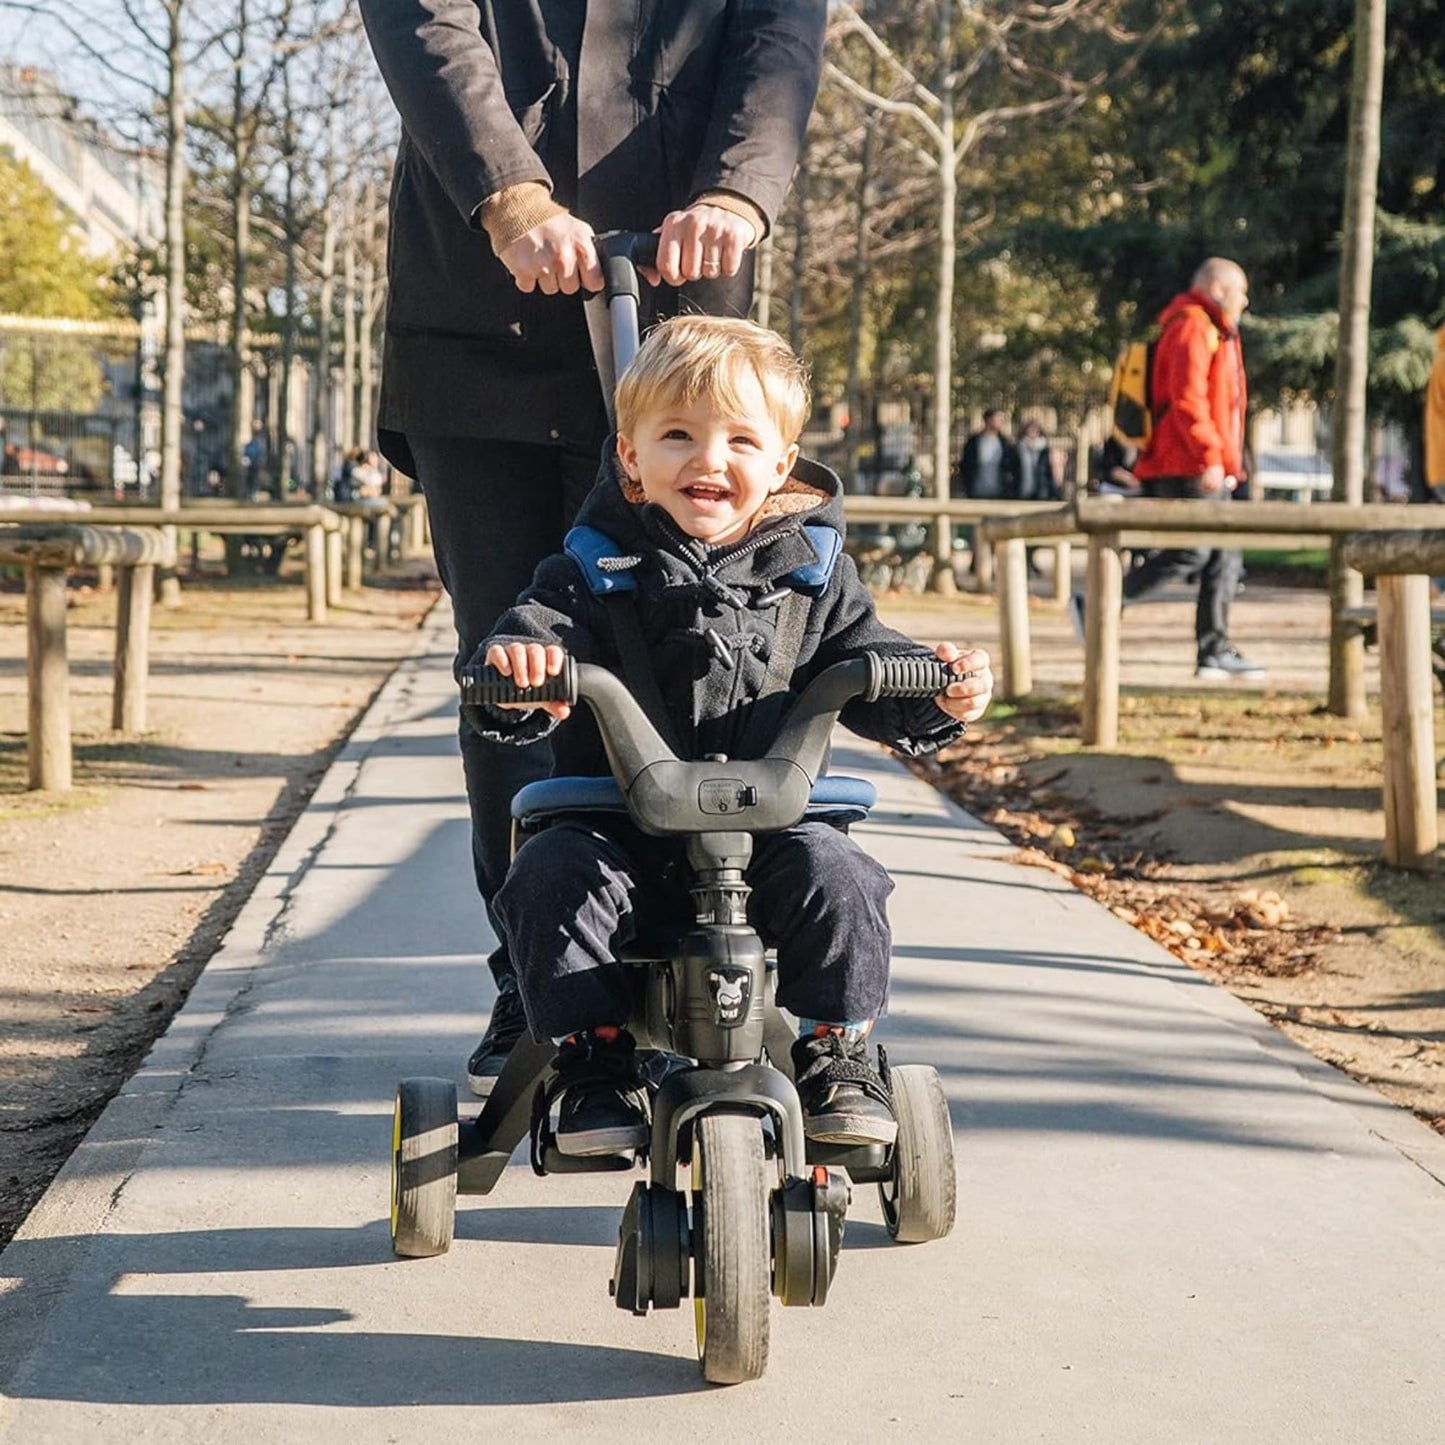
914	726
1182	364
556	608
771	61
444	80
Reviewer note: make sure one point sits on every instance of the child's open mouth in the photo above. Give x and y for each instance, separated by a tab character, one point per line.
704	493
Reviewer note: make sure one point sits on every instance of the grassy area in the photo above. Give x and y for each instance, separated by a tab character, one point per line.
1287	567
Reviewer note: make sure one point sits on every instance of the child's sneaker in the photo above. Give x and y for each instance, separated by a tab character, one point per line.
844	1100
604	1106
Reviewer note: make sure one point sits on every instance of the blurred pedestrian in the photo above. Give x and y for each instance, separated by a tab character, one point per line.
1197	451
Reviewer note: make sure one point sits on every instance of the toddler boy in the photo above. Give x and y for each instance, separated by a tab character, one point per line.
742	596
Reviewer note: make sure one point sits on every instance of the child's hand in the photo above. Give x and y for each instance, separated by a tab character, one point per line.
529	664
969	697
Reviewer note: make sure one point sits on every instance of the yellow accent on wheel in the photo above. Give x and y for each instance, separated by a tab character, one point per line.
699	1304
395	1161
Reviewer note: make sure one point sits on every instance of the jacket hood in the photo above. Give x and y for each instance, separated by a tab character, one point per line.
1208	304
773	547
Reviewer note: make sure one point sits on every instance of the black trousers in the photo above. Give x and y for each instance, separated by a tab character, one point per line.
1218	570
496	509
578	894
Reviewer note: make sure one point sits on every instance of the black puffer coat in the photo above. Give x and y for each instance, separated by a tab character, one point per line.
709	640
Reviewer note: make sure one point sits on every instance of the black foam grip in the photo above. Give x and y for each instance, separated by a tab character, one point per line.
483	684
914	677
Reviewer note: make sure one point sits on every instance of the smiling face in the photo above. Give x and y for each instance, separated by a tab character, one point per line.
709	466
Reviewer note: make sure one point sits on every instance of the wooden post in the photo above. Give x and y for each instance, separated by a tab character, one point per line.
104	577
1013	603
132	648
48	678
355	549
316	573
983	568
1063	572
1407	720
1104	600
381	540
333	567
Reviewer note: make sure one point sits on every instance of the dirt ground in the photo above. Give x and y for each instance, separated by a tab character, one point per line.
114	895
1239	827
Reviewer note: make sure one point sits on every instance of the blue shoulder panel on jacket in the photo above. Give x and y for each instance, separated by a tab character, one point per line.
813	579
587	547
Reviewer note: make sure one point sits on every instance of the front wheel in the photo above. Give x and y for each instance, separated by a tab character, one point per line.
920	1199
423	1167
730	1248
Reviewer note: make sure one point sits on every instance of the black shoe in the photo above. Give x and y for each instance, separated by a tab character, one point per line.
844	1100
604	1106
1076	614
1226	663
507	1024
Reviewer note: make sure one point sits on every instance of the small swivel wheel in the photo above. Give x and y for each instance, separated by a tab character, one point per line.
423	1167
920	1198
731	1248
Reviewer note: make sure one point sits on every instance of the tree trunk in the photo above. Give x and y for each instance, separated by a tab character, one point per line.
1362	172
365	423
763	292
943	317
240	256
288	324
348	324
321	410
853	394
172	404
800	251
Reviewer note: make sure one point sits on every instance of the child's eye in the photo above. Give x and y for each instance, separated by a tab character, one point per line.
675	434
743	440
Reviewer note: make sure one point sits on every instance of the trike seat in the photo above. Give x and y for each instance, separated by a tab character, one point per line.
838	800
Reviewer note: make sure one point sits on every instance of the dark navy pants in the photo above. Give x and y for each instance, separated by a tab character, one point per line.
496	509
1218	570
577	895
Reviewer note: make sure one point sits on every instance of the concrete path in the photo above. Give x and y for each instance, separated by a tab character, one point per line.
1173	1227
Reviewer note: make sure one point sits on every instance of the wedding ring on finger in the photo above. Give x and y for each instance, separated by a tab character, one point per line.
711	264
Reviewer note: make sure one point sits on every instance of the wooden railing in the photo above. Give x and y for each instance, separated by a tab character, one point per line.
48	551
1387	539
1402	563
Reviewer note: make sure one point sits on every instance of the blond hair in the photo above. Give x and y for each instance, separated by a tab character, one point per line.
691	357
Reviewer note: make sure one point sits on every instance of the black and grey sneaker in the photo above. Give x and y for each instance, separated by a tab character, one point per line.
844	1099
1227	662
507	1024
604	1106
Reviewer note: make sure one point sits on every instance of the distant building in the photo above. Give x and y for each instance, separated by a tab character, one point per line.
113	193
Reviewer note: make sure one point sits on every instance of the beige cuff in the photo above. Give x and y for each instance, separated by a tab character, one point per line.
731	201
512	212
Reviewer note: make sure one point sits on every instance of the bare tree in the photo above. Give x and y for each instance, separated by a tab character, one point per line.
1352	363
935	104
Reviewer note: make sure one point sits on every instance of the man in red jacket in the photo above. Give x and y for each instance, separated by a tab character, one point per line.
1197	449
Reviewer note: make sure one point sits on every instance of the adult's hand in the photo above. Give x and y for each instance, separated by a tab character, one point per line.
702	242
557	256
1212	479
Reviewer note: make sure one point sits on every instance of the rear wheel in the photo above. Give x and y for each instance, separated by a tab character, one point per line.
423	1167
920	1199
731	1248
